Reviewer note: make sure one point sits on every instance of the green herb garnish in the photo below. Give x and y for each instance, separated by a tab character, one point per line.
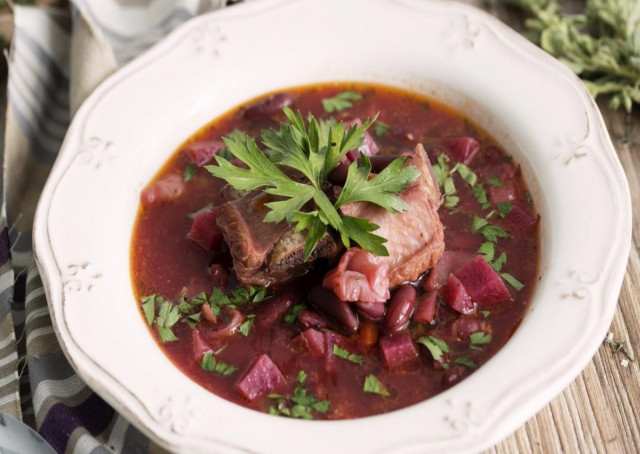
375	386
465	173
494	181
245	327
480	338
189	172
381	128
437	347
314	151
293	313
340	101
501	260
504	208
487	250
218	367
485	314
201	210
515	283
301	405
465	361
168	316
346	354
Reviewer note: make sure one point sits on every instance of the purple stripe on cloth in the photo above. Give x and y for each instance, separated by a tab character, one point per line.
94	414
5	246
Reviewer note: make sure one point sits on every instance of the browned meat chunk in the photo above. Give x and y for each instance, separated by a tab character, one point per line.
415	241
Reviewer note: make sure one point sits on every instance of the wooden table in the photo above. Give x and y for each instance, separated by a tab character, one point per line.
600	410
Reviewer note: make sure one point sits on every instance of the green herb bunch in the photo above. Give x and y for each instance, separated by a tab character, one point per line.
602	45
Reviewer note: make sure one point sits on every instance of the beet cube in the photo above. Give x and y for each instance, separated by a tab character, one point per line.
204	230
263	378
520	220
457	297
501	194
398	349
202	153
166	189
462	149
481	282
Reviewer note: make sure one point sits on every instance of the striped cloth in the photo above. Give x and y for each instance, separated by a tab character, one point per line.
59	54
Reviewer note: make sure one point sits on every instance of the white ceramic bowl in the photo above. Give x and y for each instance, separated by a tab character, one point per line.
132	123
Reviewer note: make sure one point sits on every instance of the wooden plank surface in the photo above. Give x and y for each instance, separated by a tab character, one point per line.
600	410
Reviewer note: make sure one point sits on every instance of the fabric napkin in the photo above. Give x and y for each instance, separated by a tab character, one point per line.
60	53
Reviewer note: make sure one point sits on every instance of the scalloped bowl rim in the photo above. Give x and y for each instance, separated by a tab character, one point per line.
580	273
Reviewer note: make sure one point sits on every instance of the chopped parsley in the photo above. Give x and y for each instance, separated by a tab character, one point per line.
346	354
245	327
487	250
201	210
293	313
504	208
437	347
340	101
149	306
465	361
450	200
489	231
501	260
465	173
485	314
481	196
189	172
441	169
301	405
218	367
494	181
375	386
167	317
380	128
480	337
515	283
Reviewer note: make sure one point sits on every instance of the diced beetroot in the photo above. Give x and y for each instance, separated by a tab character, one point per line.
457	297
426	307
465	327
274	309
201	153
398	349
504	193
506	171
520	220
461	149
166	189
200	344
263	378
315	341
204	230
310	319
449	262
219	275
369	146
481	282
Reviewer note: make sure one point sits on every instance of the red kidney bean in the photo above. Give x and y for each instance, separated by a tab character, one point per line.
454	374
269	106
327	302
426	306
310	319
371	311
273	309
400	309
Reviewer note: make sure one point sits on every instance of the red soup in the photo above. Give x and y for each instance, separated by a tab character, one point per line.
361	249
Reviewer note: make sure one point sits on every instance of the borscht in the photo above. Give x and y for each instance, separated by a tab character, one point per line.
335	251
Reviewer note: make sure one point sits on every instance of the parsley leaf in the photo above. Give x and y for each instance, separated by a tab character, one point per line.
465	361
437	347
292	315
375	386
504	208
480	338
494	181
189	172
168	316
149	307
489	231
487	250
314	151
441	169
501	260
481	196
515	283
345	354
485	314
381	128
301	405
466	173
340	101
245	327
218	367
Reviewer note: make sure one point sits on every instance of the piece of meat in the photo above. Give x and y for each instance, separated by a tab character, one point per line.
415	241
266	253
481	282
